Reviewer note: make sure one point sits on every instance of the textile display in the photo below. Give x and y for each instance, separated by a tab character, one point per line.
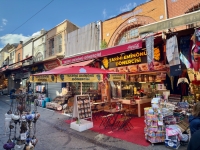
195	50
185	54
150	51
40	88
172	51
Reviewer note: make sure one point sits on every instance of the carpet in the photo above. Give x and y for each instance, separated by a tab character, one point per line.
135	135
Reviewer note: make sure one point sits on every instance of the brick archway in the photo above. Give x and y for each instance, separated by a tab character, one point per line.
127	25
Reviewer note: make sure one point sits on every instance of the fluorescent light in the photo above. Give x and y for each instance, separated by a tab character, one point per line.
142	82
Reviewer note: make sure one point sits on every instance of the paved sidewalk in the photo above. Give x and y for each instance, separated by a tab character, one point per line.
54	134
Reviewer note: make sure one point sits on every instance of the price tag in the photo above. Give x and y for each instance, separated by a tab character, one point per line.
23	136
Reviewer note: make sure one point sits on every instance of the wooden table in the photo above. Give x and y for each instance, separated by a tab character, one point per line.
139	102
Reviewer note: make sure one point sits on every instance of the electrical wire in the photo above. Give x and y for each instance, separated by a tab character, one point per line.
32	16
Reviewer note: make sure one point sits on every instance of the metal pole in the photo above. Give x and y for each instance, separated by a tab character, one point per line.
81	88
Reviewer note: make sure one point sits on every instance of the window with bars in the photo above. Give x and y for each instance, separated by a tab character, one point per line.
128	36
11	55
51	47
59	38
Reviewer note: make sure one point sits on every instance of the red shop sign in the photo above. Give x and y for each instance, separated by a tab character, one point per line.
102	53
52	64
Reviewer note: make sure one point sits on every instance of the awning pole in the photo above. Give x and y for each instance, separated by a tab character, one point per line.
81	88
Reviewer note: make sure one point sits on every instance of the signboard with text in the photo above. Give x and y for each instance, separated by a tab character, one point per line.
134	61
43	78
102	53
80	78
52	64
116	77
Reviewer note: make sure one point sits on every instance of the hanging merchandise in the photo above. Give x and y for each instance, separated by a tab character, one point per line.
173	56
150	51
183	86
195	50
20	114
185	54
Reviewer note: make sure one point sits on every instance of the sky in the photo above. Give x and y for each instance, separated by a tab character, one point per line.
21	19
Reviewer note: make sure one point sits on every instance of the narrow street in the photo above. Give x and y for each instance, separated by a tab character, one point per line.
54	133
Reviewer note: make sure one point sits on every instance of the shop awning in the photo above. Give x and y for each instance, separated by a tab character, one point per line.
57	69
84	63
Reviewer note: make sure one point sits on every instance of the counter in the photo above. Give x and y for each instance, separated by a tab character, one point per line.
141	104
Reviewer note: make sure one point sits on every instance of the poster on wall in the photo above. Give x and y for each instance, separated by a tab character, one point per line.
43	78
149	41
80	78
116	77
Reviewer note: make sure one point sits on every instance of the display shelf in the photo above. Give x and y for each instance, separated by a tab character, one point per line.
154	127
81	111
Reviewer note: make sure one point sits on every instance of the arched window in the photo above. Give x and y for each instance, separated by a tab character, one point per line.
39	57
128	36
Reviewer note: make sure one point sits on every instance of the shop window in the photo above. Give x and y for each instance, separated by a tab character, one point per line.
51	47
59	41
18	57
39	57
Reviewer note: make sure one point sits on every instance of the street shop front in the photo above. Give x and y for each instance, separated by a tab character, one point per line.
130	59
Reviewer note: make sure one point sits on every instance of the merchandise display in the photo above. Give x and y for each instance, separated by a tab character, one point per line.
20	114
82	113
84	108
154	128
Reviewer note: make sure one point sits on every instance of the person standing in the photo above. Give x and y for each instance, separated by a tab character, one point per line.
194	143
194	119
12	92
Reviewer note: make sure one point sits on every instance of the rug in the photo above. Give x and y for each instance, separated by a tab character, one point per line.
135	135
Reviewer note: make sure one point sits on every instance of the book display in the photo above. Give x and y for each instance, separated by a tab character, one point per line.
84	110
154	129
82	113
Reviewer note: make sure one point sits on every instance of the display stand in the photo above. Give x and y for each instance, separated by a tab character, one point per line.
154	126
82	112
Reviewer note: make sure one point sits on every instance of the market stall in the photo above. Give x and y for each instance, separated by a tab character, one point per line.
82	104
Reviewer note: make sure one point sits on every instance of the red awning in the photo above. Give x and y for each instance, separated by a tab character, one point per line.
84	63
77	70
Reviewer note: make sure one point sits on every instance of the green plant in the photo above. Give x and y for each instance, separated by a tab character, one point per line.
104	44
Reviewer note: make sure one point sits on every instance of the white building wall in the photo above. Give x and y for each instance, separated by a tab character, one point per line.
11	61
83	40
27	50
39	46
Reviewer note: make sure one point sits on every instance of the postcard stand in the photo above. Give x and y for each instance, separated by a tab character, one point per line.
82	112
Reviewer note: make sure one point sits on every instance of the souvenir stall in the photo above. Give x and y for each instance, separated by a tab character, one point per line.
146	73
162	123
20	122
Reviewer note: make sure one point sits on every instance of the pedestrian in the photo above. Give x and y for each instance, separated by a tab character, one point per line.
194	143
12	96
194	119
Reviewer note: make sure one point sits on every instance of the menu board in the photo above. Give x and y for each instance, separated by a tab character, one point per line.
82	108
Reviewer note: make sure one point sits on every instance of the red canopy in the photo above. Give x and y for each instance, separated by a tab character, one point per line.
77	70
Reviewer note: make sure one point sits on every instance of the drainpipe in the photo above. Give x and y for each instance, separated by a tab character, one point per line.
166	14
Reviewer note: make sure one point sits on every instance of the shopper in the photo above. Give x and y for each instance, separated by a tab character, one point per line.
194	119
194	143
12	91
